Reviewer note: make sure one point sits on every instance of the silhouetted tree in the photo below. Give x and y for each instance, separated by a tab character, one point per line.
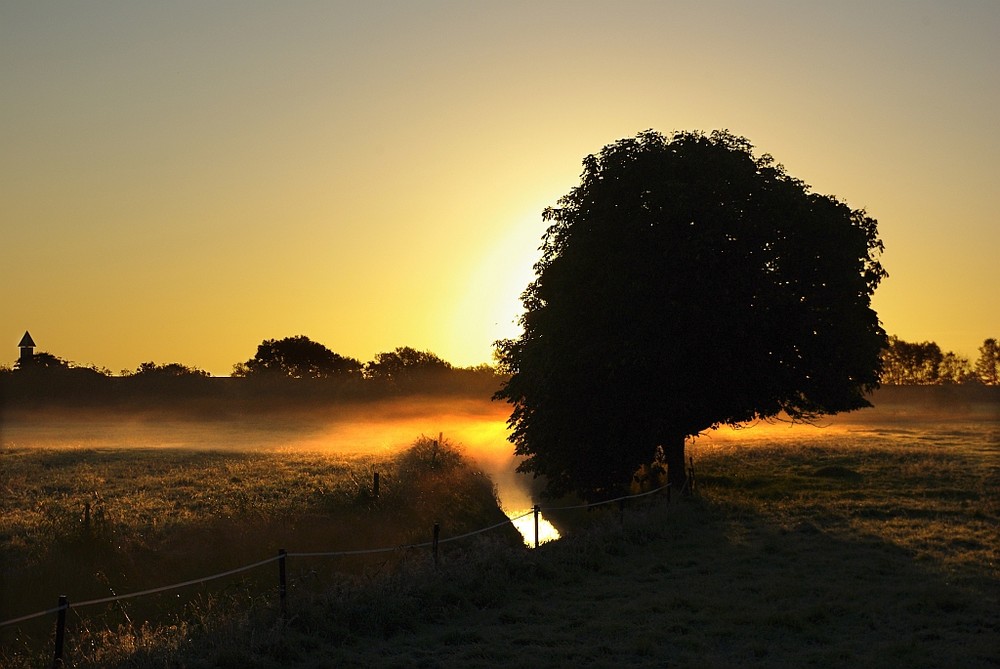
921	364
45	377
910	363
955	369
405	363
988	364
42	361
169	370
172	380
297	358
686	284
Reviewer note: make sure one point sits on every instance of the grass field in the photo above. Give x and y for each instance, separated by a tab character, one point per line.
94	522
873	542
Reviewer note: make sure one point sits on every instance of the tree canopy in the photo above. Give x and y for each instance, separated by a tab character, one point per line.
923	363
987	369
42	361
297	358
686	284
405	363
170	370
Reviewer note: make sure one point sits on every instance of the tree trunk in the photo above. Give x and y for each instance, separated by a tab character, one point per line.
673	453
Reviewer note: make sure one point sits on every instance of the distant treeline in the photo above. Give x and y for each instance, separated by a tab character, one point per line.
923	364
293	369
300	370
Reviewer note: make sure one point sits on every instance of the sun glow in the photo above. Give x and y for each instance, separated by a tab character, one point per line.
491	296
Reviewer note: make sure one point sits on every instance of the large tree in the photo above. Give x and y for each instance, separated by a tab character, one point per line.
683	285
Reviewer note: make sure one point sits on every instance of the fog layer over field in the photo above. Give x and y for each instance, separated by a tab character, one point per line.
477	426
381	427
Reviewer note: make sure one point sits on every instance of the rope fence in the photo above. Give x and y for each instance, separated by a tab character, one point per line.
63	606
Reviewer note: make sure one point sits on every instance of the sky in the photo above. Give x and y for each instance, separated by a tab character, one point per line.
180	181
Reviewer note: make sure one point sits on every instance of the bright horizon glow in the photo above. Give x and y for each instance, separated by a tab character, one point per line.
183	180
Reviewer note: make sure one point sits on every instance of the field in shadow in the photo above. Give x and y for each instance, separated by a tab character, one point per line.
827	553
702	586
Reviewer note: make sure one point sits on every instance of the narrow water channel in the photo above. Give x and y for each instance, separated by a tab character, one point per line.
524	521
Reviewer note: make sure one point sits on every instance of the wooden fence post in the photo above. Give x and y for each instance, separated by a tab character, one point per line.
57	658
375	485
537	510
282	583
437	535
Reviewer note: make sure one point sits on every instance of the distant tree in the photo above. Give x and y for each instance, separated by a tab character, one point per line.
297	358
909	363
405	363
686	284
46	377
987	368
168	370
954	369
923	363
483	368
42	361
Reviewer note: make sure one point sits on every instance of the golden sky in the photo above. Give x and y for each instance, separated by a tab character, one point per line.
181	180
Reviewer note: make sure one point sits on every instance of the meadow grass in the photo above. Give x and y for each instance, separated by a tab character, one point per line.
864	547
94	523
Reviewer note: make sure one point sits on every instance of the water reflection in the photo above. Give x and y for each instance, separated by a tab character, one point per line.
524	521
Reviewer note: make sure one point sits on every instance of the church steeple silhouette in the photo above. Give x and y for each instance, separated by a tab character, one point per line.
27	347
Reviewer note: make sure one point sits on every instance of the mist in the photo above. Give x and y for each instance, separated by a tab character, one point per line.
476	425
373	428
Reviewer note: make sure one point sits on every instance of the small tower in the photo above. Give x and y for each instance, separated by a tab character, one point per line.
27	347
